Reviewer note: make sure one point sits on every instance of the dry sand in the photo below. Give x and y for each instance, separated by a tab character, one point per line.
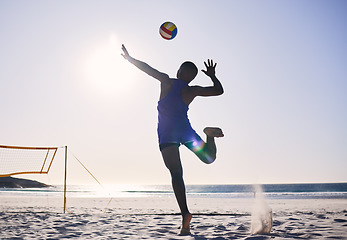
157	218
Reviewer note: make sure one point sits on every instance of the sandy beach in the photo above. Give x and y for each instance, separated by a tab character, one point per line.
157	218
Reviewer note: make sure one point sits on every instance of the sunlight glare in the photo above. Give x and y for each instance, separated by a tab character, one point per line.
107	72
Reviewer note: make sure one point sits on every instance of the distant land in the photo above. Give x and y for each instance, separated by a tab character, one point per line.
11	182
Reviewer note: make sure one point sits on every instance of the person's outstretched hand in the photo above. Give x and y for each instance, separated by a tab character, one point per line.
210	68
125	53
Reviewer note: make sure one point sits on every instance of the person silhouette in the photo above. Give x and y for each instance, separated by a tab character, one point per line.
174	127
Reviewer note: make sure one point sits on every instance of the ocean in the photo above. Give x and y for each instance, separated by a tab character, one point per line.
271	191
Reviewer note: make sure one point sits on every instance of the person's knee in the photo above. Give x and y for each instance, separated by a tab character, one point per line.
208	159
205	154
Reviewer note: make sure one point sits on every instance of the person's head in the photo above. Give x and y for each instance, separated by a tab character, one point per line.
187	72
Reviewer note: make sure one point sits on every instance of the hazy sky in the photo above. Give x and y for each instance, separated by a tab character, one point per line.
283	65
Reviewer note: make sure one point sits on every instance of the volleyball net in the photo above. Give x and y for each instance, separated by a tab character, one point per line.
15	160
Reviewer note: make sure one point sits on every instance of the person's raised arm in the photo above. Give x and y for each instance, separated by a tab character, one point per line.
216	89
144	66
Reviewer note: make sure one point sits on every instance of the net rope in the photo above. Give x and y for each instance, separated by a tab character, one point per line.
111	198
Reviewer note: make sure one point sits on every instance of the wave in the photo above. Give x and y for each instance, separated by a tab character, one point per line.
272	191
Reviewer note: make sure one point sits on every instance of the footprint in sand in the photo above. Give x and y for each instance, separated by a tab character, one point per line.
340	220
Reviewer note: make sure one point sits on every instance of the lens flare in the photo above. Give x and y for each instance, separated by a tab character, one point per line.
197	146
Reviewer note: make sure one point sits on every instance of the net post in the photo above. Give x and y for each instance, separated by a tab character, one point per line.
65	176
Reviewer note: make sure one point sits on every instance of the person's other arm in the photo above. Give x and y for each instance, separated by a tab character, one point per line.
216	89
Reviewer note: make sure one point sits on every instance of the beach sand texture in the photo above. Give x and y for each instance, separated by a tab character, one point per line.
157	218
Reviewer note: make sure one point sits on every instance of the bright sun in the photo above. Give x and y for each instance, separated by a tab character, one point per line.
106	71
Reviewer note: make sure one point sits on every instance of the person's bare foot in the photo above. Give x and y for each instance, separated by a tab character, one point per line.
185	230
213	132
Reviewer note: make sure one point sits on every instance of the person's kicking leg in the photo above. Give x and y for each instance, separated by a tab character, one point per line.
206	151
172	161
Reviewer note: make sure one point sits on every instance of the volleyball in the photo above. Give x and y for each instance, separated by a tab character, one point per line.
168	30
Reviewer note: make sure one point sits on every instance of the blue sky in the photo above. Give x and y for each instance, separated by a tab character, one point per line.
282	65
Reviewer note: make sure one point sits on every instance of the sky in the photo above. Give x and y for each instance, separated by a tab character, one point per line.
283	66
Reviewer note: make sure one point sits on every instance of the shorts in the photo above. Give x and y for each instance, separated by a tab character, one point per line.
190	141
